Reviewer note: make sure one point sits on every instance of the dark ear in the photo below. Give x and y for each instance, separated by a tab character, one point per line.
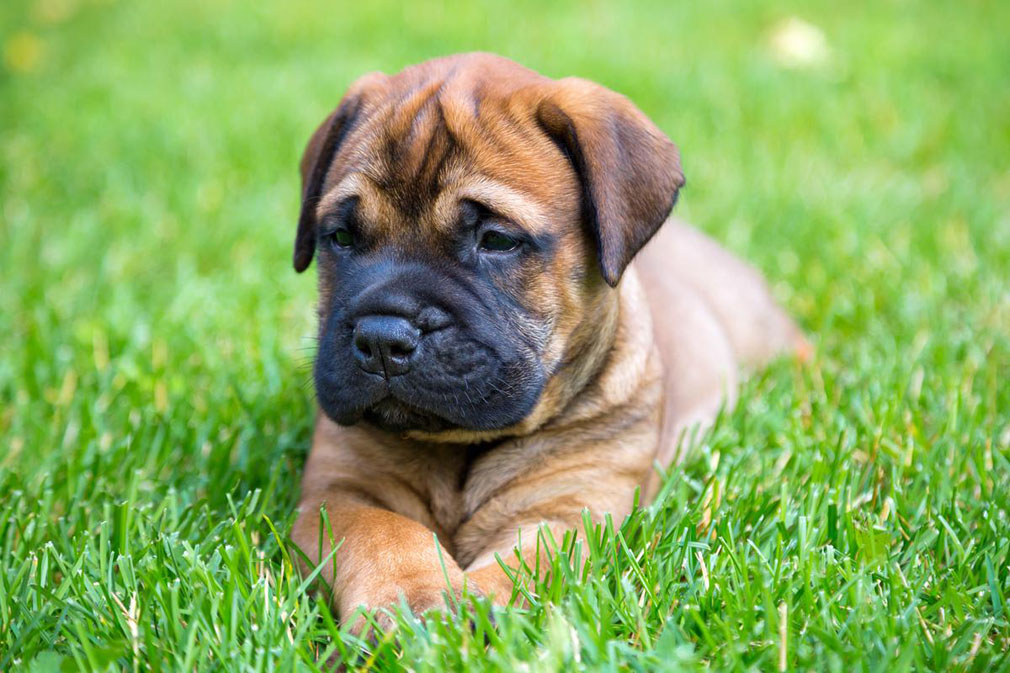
318	157
629	170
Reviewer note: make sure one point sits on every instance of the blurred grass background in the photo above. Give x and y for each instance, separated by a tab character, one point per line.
155	402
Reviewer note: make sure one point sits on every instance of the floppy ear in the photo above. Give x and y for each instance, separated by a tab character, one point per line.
318	157
629	170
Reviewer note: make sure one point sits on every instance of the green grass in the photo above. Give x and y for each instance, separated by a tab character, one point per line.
155	400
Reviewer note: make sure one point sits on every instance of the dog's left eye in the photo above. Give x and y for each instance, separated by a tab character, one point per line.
496	241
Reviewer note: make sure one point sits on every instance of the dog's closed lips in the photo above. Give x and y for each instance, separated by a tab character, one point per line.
500	344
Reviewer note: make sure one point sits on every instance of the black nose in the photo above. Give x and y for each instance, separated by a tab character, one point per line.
384	344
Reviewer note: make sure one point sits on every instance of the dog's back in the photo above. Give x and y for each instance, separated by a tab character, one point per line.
713	317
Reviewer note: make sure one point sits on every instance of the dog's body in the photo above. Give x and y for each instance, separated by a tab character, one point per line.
489	362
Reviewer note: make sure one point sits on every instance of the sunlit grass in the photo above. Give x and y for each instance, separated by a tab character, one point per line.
155	402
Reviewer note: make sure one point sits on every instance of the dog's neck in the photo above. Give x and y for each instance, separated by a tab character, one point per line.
623	359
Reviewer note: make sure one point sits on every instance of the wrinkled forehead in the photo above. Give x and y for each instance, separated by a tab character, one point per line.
415	154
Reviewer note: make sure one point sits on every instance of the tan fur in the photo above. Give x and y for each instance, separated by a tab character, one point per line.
635	367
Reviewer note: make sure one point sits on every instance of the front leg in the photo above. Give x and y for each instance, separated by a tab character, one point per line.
555	503
383	557
504	587
373	488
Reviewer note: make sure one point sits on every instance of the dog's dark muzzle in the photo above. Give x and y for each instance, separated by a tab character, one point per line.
409	348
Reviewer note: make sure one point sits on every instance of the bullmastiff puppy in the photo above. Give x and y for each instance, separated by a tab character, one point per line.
499	348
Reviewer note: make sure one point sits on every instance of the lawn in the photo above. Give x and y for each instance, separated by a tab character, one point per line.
155	392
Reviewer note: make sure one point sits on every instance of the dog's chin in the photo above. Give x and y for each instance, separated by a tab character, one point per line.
403	407
393	415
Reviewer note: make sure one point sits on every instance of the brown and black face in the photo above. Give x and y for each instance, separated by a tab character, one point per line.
470	219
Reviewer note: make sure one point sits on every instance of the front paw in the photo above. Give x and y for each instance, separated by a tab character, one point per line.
380	599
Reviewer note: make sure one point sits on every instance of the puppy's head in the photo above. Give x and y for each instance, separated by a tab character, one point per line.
470	219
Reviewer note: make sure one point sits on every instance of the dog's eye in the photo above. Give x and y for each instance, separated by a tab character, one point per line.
340	238
496	241
337	229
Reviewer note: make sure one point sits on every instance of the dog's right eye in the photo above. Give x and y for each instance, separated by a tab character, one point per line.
339	238
337	229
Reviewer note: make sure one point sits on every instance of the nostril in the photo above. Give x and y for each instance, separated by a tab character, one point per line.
401	349
362	345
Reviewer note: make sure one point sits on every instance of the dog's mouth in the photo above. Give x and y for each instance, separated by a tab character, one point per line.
394	415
